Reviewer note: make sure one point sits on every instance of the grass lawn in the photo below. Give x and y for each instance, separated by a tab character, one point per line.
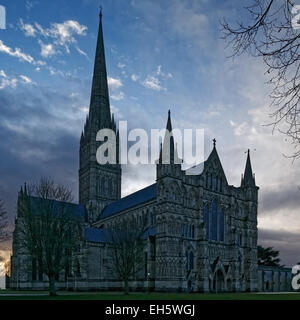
31	295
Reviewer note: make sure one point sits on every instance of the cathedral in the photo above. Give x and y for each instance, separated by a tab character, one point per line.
201	231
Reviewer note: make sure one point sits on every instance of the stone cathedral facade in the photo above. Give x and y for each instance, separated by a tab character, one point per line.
202	231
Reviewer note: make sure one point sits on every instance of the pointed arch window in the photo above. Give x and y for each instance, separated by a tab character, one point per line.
206	221
221	225
214	222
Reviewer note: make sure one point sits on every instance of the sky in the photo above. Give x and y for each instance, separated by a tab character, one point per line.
160	55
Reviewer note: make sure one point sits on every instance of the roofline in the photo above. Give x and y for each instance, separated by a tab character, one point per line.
114	215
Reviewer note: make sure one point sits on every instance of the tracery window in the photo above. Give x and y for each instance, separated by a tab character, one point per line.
214	222
221	225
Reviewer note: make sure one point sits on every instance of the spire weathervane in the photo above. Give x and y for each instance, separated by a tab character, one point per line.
214	141
101	9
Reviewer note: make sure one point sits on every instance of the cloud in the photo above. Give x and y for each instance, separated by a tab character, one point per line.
5	83
64	32
30	4
82	52
158	72
47	50
63	35
134	77
26	79
3	74
114	83
276	198
153	83
12	81
28	29
16	53
121	65
286	242
241	129
118	97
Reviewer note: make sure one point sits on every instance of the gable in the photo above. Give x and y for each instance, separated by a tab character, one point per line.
213	165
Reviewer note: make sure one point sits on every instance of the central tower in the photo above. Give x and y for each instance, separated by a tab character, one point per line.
99	185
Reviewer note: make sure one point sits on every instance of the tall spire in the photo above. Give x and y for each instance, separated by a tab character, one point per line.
169	123
99	105
168	153
248	179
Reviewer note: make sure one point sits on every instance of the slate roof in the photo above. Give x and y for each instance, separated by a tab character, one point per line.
102	235
96	235
130	201
69	210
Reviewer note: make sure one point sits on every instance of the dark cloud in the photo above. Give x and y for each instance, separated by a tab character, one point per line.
288	244
287	197
36	140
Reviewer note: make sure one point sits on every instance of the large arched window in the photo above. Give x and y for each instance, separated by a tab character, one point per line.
214	221
221	225
206	221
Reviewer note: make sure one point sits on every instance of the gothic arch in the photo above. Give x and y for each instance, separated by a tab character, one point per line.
218	277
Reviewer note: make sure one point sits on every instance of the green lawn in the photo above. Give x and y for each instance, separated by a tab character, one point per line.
6	295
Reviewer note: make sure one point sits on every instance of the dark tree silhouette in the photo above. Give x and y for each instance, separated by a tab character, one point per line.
127	244
48	232
268	257
269	32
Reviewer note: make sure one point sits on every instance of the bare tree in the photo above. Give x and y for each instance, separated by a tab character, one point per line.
4	235
127	245
269	32
49	229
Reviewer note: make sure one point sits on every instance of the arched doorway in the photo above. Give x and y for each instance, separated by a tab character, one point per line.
218	282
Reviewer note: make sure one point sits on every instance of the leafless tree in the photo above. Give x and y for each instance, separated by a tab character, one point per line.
271	32
4	235
127	245
49	230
